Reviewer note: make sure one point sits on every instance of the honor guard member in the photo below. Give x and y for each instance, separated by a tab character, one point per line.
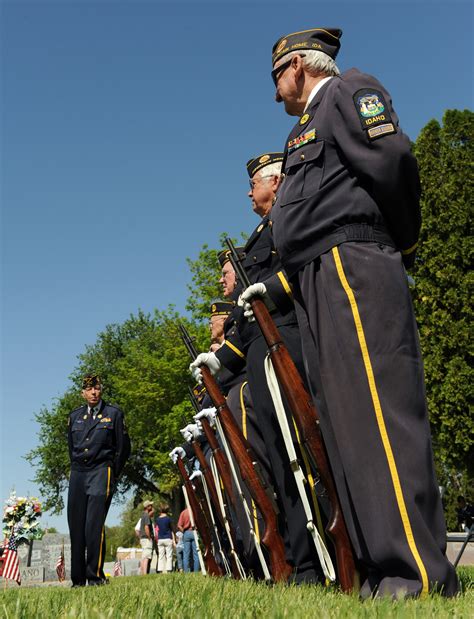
345	222
246	343
99	446
235	387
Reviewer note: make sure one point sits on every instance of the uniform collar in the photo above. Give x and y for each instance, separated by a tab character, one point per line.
315	90
93	411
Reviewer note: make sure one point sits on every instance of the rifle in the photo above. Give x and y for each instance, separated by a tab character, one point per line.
246	461
220	458
307	420
199	518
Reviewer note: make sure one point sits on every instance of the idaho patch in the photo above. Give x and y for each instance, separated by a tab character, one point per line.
373	111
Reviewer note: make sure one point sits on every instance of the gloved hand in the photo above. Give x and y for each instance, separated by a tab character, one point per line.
195	474
254	290
178	452
190	432
204	358
209	413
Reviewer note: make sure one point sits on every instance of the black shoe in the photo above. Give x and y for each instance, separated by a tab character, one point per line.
75	585
97	583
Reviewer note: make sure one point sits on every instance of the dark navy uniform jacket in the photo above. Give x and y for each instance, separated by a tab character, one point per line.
98	442
262	264
349	175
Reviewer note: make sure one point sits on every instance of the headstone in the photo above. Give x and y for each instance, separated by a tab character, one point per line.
30	575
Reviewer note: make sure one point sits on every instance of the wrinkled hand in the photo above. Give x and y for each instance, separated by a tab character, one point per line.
178	452
191	432
209	413
204	358
195	474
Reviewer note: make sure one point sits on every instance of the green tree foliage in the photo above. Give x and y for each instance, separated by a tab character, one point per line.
144	368
443	291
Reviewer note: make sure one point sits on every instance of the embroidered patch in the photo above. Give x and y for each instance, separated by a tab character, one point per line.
301	140
304	119
372	109
264	158
377	132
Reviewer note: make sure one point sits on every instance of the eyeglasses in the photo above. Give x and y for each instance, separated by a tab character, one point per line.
276	73
254	181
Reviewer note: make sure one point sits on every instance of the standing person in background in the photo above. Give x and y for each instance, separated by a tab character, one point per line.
189	543
166	540
99	446
179	550
146	537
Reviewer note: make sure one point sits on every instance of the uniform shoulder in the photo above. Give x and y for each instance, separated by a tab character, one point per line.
353	78
111	409
77	411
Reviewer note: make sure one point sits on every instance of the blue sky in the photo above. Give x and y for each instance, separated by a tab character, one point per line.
125	131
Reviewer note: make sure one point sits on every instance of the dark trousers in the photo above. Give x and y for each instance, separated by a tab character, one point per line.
300	550
239	401
89	497
364	367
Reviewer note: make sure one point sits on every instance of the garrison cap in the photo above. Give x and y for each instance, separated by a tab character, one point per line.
91	380
318	39
257	163
221	308
223	255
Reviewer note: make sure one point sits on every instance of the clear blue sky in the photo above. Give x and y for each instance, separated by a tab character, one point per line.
125	131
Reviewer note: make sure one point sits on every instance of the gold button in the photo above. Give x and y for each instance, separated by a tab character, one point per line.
86	450
302	157
87	438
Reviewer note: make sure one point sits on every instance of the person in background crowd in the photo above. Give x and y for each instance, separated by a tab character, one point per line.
146	537
166	540
190	554
179	550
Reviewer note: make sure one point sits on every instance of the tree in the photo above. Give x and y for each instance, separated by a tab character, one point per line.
443	290
144	368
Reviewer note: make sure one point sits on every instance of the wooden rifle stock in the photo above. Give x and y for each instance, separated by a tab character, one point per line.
212	567
271	539
208	476
307	420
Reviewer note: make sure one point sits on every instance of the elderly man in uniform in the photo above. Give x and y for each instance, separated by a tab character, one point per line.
99	446
244	343
345	222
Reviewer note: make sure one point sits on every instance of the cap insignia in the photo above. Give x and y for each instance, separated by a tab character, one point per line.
304	119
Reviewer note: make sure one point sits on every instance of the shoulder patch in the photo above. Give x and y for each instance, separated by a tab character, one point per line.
373	111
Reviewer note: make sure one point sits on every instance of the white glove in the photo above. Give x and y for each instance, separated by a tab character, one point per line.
178	452
254	290
204	358
209	413
195	474
191	432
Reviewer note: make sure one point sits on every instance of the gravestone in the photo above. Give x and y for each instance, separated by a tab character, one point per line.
44	556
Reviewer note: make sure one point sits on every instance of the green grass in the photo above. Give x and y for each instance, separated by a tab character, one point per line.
191	596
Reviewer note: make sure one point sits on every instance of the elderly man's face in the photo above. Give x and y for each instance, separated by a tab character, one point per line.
262	191
92	395
228	280
289	86
216	326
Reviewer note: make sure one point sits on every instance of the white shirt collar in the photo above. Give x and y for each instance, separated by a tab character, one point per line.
312	94
95	410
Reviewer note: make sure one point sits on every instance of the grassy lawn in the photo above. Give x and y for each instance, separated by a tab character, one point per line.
183	596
